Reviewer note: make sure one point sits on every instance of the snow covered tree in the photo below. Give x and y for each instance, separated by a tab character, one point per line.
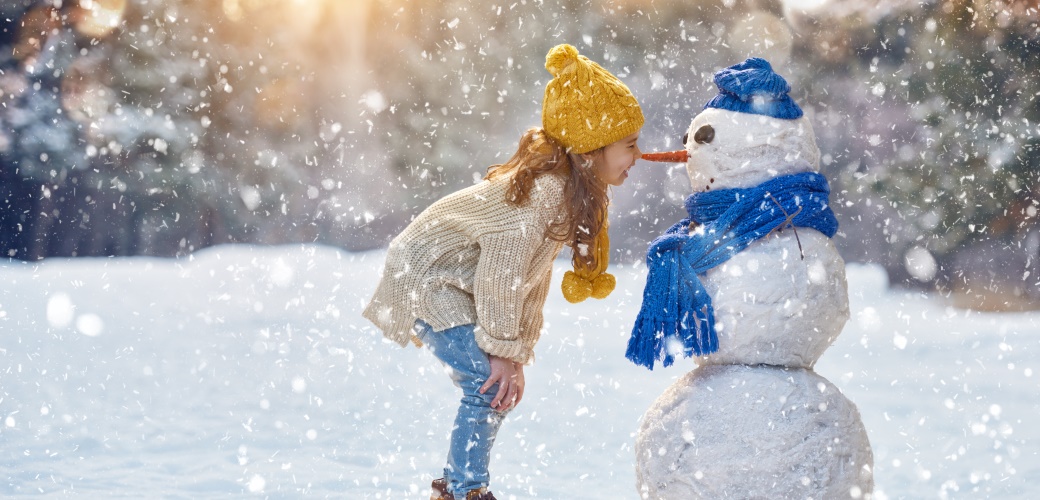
158	127
936	108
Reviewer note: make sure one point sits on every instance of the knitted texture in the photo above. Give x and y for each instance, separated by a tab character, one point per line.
471	257
677	314
580	284
753	87
585	107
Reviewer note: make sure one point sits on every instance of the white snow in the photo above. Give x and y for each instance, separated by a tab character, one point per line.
249	371
778	314
805	438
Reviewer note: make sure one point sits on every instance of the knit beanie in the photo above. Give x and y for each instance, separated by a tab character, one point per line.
753	87
585	107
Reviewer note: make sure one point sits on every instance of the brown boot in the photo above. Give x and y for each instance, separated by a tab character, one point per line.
480	494
440	490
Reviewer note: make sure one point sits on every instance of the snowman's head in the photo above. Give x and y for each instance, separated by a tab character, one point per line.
750	132
727	149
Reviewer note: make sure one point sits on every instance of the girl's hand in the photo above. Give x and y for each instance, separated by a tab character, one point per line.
510	382
519	383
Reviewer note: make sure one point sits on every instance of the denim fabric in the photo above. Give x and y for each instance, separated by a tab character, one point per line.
476	423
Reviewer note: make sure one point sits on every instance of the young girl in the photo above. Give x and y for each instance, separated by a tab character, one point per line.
469	276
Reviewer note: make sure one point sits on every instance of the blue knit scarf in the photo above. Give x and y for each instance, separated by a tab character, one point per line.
676	306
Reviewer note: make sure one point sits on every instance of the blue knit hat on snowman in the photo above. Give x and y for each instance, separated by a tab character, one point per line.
753	87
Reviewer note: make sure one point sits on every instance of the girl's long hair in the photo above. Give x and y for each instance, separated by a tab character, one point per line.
586	207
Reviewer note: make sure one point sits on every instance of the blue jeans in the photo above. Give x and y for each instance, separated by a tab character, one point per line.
476	423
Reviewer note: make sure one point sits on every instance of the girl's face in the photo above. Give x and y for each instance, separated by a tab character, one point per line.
610	164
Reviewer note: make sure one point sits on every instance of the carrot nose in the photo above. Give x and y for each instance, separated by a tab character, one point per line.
679	156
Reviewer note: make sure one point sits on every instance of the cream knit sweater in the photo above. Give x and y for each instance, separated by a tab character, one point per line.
471	257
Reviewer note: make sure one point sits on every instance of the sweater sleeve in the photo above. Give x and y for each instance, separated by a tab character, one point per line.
499	289
532	319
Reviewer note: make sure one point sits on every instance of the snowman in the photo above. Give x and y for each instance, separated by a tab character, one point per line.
752	287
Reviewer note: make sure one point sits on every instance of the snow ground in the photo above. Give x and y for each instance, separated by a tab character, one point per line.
248	371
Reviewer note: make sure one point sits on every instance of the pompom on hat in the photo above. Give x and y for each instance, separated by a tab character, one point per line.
586	107
753	87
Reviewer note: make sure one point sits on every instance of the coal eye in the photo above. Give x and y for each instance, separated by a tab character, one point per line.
704	135
685	137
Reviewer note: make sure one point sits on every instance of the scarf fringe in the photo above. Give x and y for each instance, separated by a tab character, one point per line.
687	328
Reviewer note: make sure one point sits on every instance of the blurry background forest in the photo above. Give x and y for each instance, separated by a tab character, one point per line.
148	127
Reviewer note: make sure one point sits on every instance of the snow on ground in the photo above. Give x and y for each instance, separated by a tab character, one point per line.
248	371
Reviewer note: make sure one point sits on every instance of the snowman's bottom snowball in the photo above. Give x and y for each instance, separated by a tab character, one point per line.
736	431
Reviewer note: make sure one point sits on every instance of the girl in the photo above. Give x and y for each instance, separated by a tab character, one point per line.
469	276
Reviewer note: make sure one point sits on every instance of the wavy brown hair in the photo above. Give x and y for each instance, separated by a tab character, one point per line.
584	215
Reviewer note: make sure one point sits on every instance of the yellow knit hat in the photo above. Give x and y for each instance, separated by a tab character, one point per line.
585	107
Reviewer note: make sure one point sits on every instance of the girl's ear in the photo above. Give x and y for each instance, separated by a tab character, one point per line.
587	159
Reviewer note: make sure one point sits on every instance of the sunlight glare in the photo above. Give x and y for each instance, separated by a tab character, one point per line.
233	10
804	4
97	18
304	15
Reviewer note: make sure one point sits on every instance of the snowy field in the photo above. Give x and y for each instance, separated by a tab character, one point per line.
248	371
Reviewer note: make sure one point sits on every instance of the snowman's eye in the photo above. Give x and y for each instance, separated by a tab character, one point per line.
704	135
685	137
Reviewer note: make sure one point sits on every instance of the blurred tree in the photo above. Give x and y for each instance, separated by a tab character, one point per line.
157	127
940	123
